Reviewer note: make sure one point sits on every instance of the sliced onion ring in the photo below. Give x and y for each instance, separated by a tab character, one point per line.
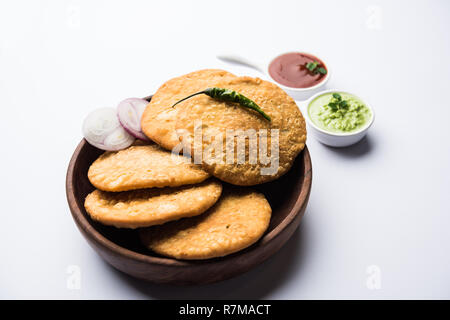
119	139
102	129
130	113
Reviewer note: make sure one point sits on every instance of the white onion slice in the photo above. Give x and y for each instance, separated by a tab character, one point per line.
130	113
102	129
119	139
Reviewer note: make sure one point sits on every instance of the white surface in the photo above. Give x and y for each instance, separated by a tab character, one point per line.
383	202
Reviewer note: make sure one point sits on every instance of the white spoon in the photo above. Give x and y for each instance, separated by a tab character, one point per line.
239	60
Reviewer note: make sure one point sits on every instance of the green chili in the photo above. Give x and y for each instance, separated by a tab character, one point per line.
229	96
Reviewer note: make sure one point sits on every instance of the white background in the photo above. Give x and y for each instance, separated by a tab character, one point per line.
382	202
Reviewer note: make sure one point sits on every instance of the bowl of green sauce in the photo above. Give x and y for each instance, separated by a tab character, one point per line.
338	118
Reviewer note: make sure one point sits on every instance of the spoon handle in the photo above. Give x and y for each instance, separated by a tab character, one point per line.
236	59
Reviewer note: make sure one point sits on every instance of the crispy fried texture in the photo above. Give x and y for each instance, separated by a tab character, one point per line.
143	166
158	120
236	221
217	117
148	207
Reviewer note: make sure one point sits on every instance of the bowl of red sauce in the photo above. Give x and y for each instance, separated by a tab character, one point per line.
300	74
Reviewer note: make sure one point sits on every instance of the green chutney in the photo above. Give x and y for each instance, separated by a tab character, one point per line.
329	113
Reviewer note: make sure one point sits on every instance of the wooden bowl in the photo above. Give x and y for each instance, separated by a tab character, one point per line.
121	248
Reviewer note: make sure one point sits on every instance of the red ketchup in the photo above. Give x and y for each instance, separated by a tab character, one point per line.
290	70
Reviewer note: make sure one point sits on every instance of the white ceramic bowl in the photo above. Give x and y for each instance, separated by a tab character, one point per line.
331	138
302	93
263	68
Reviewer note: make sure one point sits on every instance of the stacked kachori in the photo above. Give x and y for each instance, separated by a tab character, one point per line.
179	206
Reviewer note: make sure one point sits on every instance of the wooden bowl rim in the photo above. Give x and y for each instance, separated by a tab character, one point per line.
83	222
